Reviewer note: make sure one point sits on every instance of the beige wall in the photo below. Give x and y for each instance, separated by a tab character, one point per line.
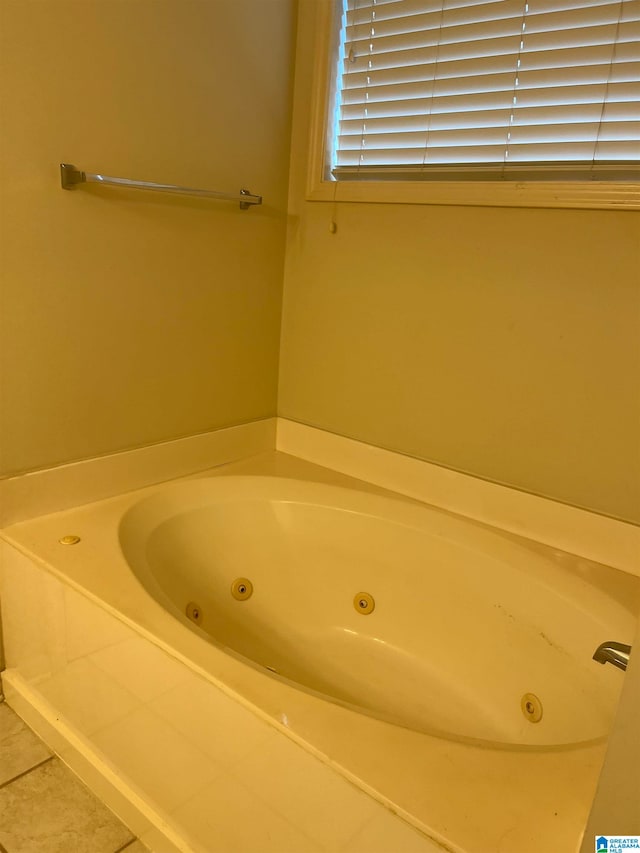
129	318
495	341
500	342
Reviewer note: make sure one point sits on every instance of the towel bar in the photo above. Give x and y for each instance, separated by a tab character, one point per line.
71	177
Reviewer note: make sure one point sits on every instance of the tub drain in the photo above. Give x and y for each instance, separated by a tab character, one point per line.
531	707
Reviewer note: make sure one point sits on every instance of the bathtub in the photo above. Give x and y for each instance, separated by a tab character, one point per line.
441	666
391	609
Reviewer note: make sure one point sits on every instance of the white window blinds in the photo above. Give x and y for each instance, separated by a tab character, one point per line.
442	88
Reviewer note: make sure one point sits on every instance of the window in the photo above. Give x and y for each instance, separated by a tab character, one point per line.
507	100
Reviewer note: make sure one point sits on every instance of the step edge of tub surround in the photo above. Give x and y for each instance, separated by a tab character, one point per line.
86	764
572	529
65	486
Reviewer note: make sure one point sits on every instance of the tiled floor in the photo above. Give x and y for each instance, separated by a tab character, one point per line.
44	808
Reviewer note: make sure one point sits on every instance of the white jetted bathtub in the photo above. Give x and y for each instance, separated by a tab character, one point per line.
182	636
393	609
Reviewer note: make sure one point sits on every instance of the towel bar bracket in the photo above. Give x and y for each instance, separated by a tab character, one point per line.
70	177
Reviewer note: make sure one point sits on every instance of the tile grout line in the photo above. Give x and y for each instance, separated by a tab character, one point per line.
24	773
120	849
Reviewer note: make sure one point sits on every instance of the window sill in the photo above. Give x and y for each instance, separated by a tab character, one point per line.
552	194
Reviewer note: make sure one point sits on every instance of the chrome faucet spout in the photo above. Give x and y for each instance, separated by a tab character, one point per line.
615	653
